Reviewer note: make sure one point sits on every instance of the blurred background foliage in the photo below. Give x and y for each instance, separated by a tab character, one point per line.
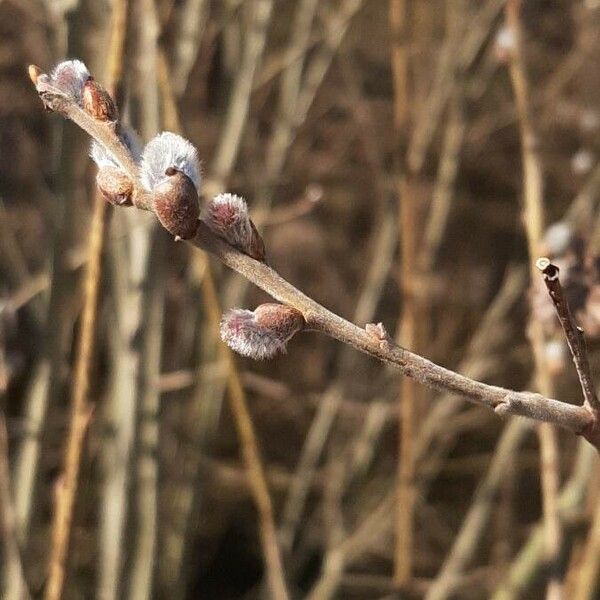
378	146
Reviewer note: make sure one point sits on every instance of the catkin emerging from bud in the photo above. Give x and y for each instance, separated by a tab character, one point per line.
227	216
171	173
68	78
169	150
262	333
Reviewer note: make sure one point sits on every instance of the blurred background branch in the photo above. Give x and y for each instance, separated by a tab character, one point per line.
282	99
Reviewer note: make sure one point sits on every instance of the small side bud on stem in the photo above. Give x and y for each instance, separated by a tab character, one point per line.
115	186
97	101
262	333
227	216
378	331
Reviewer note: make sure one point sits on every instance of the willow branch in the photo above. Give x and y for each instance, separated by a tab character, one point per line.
577	419
503	401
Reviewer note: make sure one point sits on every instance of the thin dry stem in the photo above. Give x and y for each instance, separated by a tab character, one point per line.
382	249
226	152
251	455
477	518
80	412
15	586
398	15
532	556
573	333
587	581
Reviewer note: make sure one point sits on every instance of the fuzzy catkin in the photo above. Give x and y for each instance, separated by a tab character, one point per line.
69	77
262	333
169	150
227	216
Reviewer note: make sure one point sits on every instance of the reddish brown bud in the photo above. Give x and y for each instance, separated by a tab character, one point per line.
262	333
176	204
97	101
115	186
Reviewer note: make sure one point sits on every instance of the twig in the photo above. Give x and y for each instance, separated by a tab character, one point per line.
226	152
335	26
473	527
410	319
531	558
253	463
573	332
444	192
575	418
189	23
504	401
289	89
48	380
128	263
80	411
436	424
587	581
382	250
457	55
145	538
15	586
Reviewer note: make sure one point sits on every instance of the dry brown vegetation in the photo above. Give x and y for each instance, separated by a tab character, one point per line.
405	162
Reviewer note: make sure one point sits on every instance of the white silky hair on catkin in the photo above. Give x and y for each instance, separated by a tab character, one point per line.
131	139
103	158
227	215
70	76
241	332
169	150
